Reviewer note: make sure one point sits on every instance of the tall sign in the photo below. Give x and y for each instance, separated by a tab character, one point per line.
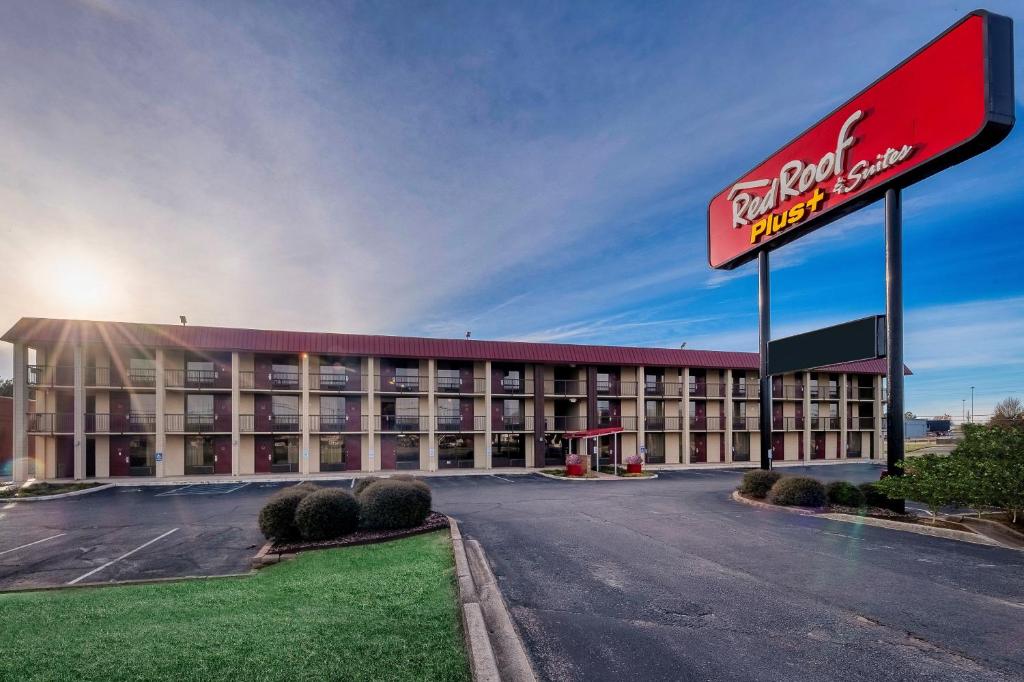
949	101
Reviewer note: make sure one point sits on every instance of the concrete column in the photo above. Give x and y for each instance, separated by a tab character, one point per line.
487	412
808	424
727	416
843	426
371	422
685	412
641	412
431	416
20	422
236	407
304	417
79	416
159	418
876	435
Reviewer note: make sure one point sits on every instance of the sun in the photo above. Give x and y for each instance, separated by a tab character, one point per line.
79	286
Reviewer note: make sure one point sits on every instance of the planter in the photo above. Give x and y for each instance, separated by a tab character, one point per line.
573	469
634	468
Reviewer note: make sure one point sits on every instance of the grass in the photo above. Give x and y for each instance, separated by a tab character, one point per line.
621	472
41	489
561	473
375	612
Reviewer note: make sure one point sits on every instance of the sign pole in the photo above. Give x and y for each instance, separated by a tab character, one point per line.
894	333
764	316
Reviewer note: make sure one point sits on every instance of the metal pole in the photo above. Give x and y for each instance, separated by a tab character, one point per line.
972	404
764	315
894	332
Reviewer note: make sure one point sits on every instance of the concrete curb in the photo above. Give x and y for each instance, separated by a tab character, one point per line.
807	511
746	466
491	638
608	477
945	533
58	496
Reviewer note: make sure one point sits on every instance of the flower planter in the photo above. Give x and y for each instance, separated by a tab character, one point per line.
634	468
573	469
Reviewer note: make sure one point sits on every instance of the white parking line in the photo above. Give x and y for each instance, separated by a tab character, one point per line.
123	556
502	478
172	492
14	549
352	484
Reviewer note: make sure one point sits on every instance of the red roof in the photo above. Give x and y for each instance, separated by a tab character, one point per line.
128	334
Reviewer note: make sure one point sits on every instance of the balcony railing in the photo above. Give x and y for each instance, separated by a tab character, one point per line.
460	385
707	390
825	423
512	386
197	379
788	392
50	375
334	381
745	423
824	393
660	423
64	376
513	423
197	423
748	390
627	423
270	381
668	389
271	423
50	422
860	392
403	423
565	387
564	423
405	383
860	423
458	424
337	423
707	424
616	387
133	422
788	424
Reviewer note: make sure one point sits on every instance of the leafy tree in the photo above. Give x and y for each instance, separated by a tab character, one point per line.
1008	412
929	479
7	388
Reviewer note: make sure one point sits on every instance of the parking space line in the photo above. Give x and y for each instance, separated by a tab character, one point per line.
123	556
14	549
502	478
171	492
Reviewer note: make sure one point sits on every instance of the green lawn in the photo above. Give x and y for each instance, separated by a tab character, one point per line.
376	612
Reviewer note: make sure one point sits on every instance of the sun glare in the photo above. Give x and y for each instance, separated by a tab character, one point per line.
79	287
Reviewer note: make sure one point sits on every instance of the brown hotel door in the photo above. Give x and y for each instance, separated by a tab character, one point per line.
818	446
778	447
222	454
263	454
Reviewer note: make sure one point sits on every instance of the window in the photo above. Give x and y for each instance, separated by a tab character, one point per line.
512	414
142	403
140	456
141	371
200	372
508	450
853	444
815	408
655	444
332	412
407	378
448	380
604	411
741	447
448	416
455	452
407	413
284	373
199	455
285	454
332	453
604	382
652	383
198	412
407	451
285	411
511	381
333	374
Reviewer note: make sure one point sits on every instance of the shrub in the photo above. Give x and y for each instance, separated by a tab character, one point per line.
573	459
327	514
758	482
277	518
409	478
388	505
845	494
364	483
873	497
634	459
798	491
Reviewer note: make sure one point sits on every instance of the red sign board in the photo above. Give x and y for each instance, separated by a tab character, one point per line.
949	101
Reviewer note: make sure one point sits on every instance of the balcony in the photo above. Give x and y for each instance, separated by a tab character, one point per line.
707	390
627	423
746	391
197	423
565	387
788	392
788	424
512	386
197	379
824	393
337	423
459	424
860	392
825	423
860	423
616	388
133	422
336	381
707	424
660	423
50	375
513	423
272	423
564	423
460	385
406	383
270	381
50	422
667	389
745	423
392	423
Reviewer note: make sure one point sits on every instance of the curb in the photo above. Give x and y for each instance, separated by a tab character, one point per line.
945	533
806	511
491	638
58	496
610	477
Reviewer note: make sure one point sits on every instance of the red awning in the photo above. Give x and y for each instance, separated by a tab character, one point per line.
593	433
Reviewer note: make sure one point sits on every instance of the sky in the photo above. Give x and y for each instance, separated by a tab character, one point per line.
530	171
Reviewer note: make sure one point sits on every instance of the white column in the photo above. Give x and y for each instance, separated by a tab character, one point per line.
79	415
20	463
808	424
161	419
236	407
641	409
431	417
877	435
843	427
304	417
727	417
685	411
371	422
488	412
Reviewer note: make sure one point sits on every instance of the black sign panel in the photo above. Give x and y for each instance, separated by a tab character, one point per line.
862	339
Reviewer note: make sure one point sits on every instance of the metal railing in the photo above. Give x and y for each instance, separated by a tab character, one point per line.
668	389
512	386
788	392
64	376
749	390
408	383
824	393
50	422
745	423
627	423
565	387
860	392
333	381
660	423
197	423
403	423
460	385
274	423
707	424
788	424
825	423
50	375
337	423
270	381
456	423
616	387
197	378
564	423
519	423
707	390
860	423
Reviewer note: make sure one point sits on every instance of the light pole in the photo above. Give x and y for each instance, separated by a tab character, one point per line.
963	410
972	404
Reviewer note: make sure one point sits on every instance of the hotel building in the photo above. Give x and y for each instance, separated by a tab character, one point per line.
111	399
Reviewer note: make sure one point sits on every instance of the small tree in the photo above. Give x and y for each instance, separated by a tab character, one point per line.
7	388
1008	413
929	479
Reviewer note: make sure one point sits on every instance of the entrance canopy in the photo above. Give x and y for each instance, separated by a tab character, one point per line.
593	433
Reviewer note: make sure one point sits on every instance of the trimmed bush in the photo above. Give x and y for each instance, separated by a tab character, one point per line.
798	491
845	494
409	478
389	505
873	497
277	518
327	514
364	483
758	482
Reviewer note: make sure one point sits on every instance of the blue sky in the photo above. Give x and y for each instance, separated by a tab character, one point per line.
533	171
